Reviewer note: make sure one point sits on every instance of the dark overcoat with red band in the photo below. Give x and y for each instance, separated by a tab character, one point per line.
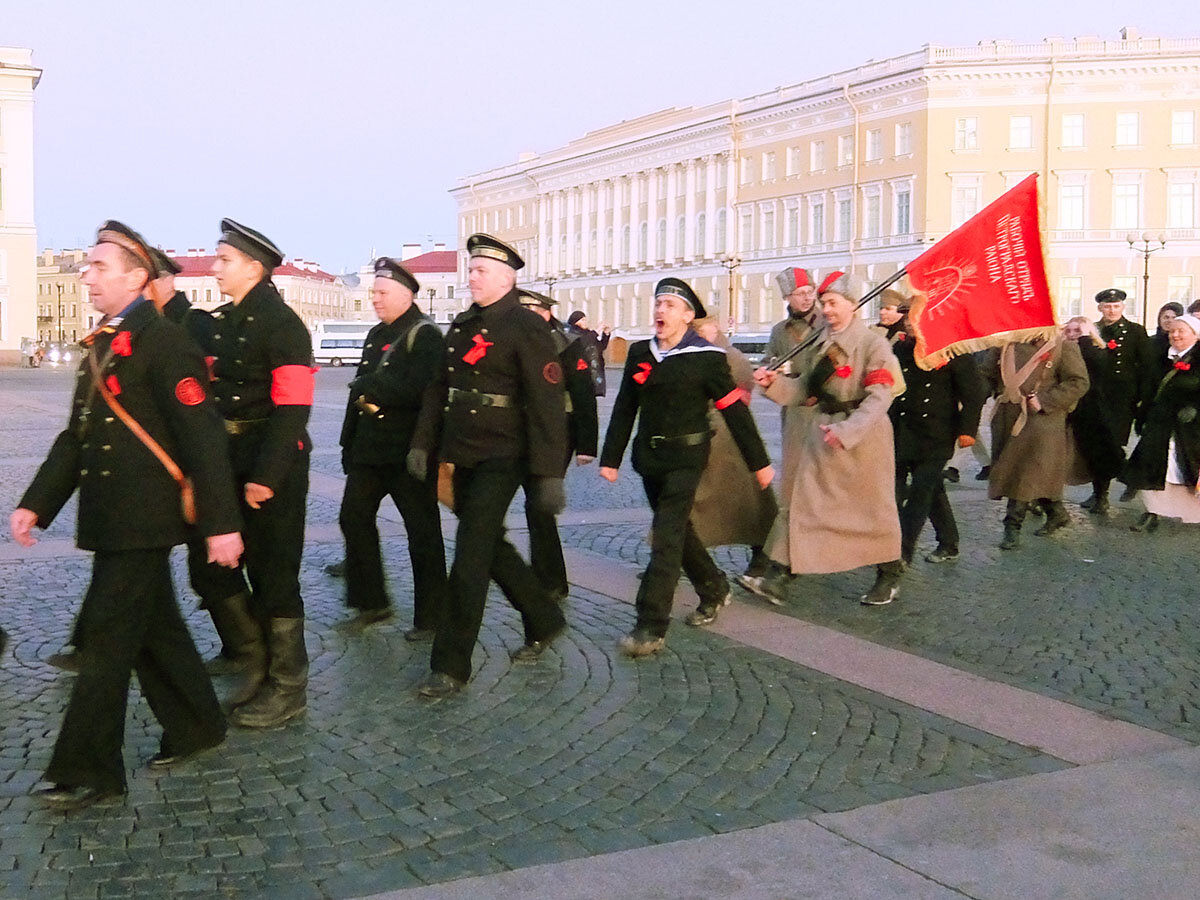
127	499
262	373
503	350
669	393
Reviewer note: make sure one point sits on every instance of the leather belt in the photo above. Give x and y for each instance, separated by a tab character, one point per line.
242	426
832	407
694	439
478	398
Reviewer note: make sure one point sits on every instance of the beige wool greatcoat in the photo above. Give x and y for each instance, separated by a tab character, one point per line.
840	505
1034	464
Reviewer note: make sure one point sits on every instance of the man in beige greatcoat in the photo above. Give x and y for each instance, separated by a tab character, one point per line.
841	498
1031	446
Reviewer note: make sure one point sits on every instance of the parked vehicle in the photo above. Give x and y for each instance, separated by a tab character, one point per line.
338	343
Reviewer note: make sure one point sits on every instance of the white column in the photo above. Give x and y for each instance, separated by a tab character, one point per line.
543	235
652	217
572	262
689	212
555	233
672	190
635	218
618	225
710	208
603	218
586	226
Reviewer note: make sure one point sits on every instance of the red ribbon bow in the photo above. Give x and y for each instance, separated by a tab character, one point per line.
842	371
640	377
479	351
122	345
581	365
901	336
1182	366
386	347
1112	345
114	386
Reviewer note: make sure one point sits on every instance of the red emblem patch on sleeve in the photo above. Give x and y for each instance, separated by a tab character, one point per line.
729	399
842	371
552	372
879	376
114	386
189	392
581	365
292	385
122	344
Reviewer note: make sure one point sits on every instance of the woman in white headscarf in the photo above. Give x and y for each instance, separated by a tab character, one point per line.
1165	464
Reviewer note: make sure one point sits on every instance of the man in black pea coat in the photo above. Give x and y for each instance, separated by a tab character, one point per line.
1131	379
263	385
545	548
130	515
222	590
400	357
936	408
667	385
494	412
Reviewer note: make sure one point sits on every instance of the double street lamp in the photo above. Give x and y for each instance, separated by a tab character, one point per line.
1143	245
731	264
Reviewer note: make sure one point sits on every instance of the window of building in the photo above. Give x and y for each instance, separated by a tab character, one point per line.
701	224
1183	127
680	237
1020	132
874	144
816	156
1071	207
1127	205
845	150
964	199
625	246
743	310
768	230
592	249
450	287
747	231
1126	283
792	236
660	240
747	171
872	215
1181	204
1128	129
903	223
966	133
643	240
768	166
793	161
904	138
844	224
608	246
721	245
1070	296
816	221
1179	289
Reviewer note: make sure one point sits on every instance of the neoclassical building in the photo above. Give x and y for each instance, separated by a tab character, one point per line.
18	234
864	169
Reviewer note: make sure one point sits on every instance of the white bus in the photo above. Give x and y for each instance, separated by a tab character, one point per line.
339	343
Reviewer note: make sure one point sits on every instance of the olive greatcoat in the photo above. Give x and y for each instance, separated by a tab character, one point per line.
1034	464
841	504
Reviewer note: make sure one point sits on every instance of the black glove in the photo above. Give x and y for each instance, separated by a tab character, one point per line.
548	496
418	463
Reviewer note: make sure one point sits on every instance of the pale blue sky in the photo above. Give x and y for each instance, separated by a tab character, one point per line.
335	126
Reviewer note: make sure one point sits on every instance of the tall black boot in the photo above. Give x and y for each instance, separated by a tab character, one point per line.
887	584
1014	515
1056	517
1098	505
3	640
284	694
247	643
236	629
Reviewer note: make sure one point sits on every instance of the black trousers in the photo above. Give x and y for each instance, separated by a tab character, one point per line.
923	498
673	546
545	547
274	539
482	495
131	623
366	486
1121	407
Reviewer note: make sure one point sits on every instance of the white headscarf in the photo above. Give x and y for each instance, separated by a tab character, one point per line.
1193	323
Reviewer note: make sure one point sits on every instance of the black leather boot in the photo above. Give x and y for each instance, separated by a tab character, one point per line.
1014	515
1056	518
284	694
237	631
247	643
887	584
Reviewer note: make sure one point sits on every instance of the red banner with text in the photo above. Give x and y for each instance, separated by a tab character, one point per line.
984	284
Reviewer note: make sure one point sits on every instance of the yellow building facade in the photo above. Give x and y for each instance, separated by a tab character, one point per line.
864	169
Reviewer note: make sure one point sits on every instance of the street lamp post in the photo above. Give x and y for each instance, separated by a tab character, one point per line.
431	292
731	264
60	311
550	280
1144	247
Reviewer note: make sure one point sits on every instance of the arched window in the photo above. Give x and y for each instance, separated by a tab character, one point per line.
700	225
595	262
643	240
625	246
680	236
608	247
660	242
720	241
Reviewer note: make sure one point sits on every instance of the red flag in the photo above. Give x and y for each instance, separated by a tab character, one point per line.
984	284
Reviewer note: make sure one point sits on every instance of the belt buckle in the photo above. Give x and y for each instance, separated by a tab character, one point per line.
656	440
486	400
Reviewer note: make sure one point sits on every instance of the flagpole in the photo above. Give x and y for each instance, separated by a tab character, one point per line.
875	292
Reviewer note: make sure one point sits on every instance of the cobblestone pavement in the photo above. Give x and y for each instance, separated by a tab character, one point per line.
580	754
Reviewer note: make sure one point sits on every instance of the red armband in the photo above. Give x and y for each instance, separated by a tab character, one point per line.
879	376
292	386
729	399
